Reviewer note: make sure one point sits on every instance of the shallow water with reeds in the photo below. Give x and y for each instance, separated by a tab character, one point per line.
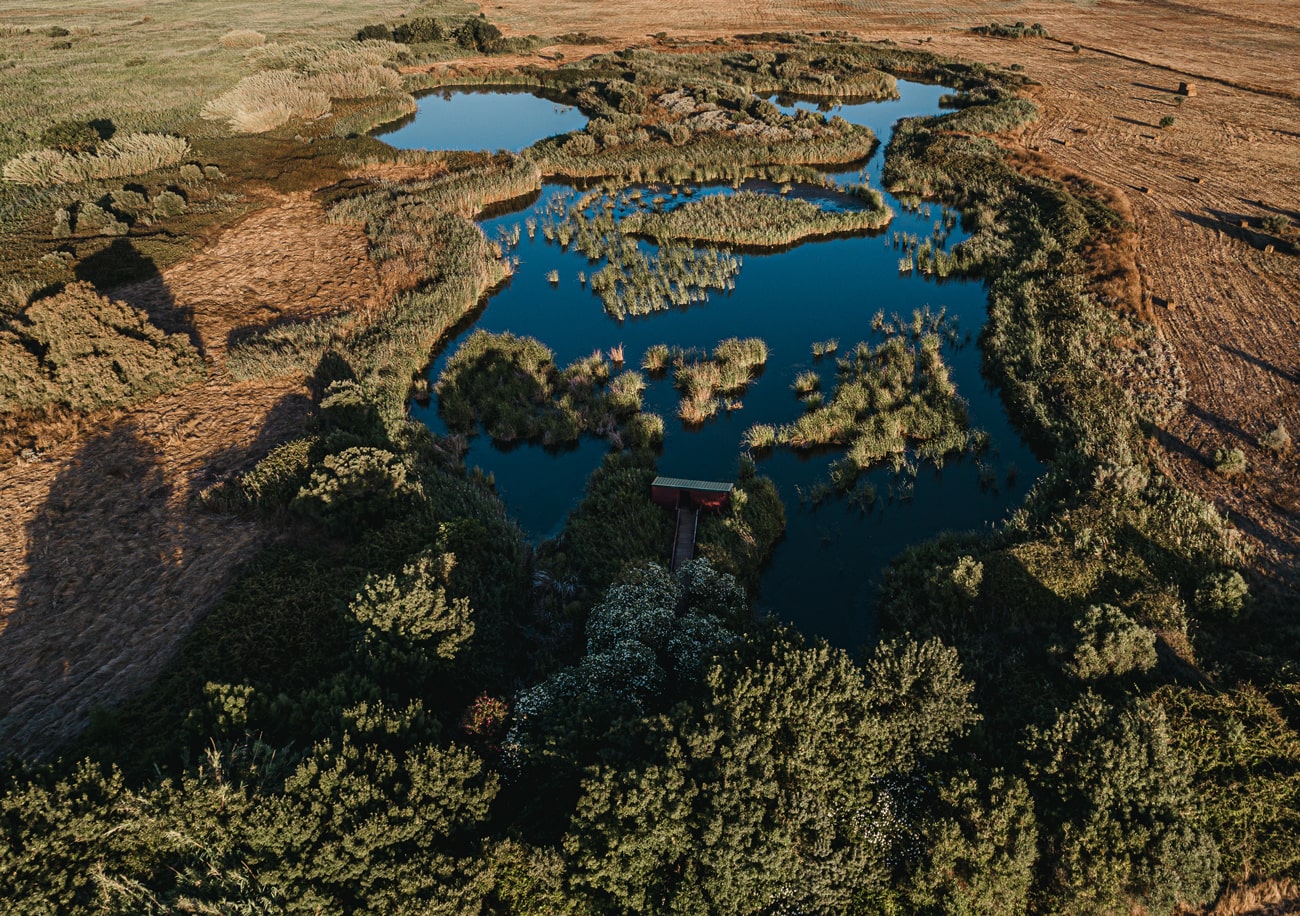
824	575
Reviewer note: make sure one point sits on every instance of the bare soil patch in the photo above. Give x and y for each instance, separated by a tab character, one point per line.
106	560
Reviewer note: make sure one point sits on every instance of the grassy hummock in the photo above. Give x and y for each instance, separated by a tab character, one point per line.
751	220
512	387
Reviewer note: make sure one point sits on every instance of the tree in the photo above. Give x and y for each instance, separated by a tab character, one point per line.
373	821
774	793
979	847
1110	644
413	611
1119	811
649	642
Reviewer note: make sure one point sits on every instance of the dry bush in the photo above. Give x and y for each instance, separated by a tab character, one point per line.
242	39
132	154
265	101
1255	897
84	351
298	81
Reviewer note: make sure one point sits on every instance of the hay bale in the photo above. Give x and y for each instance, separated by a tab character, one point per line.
1187	89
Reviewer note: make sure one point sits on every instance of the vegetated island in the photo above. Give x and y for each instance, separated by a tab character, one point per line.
748	219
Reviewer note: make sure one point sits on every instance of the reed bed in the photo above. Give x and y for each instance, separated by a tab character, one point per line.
888	399
632	282
715	384
119	157
753	220
298	82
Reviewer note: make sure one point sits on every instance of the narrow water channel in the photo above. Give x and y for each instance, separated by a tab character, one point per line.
825	574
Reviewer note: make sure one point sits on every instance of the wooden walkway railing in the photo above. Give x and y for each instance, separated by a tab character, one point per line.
688	521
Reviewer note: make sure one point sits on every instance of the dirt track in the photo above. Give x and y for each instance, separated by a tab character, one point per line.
106	561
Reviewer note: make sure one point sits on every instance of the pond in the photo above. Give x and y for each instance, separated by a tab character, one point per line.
482	119
825	574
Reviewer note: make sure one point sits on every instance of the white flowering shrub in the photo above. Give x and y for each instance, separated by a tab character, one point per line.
649	641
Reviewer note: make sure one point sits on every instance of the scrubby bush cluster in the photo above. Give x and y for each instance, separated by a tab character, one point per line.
1008	30
512	388
83	351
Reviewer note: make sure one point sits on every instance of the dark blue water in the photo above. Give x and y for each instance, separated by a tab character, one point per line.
825	574
482	119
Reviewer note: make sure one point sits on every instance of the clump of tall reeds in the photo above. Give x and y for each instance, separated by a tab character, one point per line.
656	359
754	220
119	157
711	385
242	39
297	82
887	400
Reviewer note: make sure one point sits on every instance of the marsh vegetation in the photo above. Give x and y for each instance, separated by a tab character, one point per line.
403	703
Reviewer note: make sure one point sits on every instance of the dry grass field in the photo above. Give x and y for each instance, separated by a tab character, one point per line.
105	563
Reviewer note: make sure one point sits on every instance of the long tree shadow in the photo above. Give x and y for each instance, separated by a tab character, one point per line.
1293	376
97	554
284	421
121	565
123	272
1244	226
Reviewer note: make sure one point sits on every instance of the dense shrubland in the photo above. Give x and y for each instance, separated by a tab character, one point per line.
405	706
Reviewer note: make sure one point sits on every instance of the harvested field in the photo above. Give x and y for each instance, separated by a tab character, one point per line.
106	560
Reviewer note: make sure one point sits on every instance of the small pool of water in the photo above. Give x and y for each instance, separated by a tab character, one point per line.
482	119
825	573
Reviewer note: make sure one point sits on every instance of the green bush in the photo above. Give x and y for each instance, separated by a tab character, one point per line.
356	489
1229	461
1222	595
77	136
418	31
1110	644
84	351
477	34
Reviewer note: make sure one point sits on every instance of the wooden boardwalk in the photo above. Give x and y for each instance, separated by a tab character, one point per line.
688	519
